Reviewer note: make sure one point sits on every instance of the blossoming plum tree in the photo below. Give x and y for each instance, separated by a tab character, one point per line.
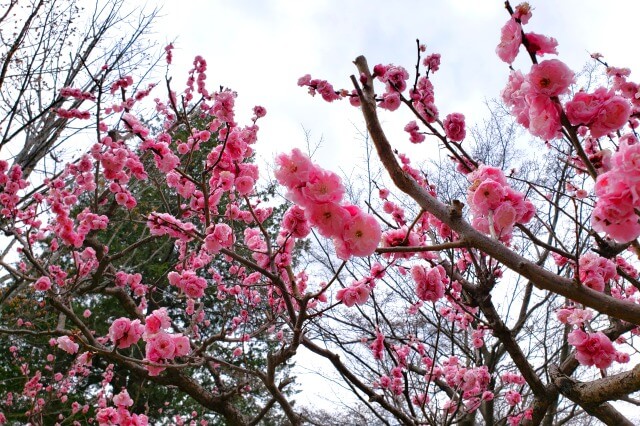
403	295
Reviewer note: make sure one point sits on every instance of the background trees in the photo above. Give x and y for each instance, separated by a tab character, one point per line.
155	278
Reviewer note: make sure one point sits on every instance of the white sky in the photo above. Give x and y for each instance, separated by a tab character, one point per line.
261	48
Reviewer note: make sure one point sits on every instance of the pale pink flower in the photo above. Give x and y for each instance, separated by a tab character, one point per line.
294	169
544	117
541	45
510	39
322	187
122	399
67	344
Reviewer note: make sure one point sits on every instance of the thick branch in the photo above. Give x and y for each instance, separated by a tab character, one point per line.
540	277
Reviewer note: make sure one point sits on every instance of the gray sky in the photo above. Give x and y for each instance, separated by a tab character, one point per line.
261	48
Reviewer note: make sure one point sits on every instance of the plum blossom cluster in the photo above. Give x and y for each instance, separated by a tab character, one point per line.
471	381
618	192
533	98
592	348
430	282
320	192
511	37
119	414
595	349
11	183
496	207
161	346
602	111
596	271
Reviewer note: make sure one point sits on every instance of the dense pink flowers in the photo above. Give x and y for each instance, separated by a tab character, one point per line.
602	111
596	271
496	207
618	192
319	192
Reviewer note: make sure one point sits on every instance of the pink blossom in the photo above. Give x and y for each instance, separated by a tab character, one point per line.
377	347
123	332
550	77
161	346
361	235
192	285
219	236
322	187
487	196
582	109
592	349
430	283
157	321
390	101
293	169
613	114
454	127
67	344
432	62
352	295
329	218
123	399
42	284
596	271
182	345
295	222
544	116
510	39
512	397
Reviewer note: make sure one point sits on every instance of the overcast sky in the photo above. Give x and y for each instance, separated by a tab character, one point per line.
261	48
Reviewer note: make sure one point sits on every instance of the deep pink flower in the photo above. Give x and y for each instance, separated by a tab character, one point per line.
540	44
123	332
592	349
43	284
430	283
454	127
